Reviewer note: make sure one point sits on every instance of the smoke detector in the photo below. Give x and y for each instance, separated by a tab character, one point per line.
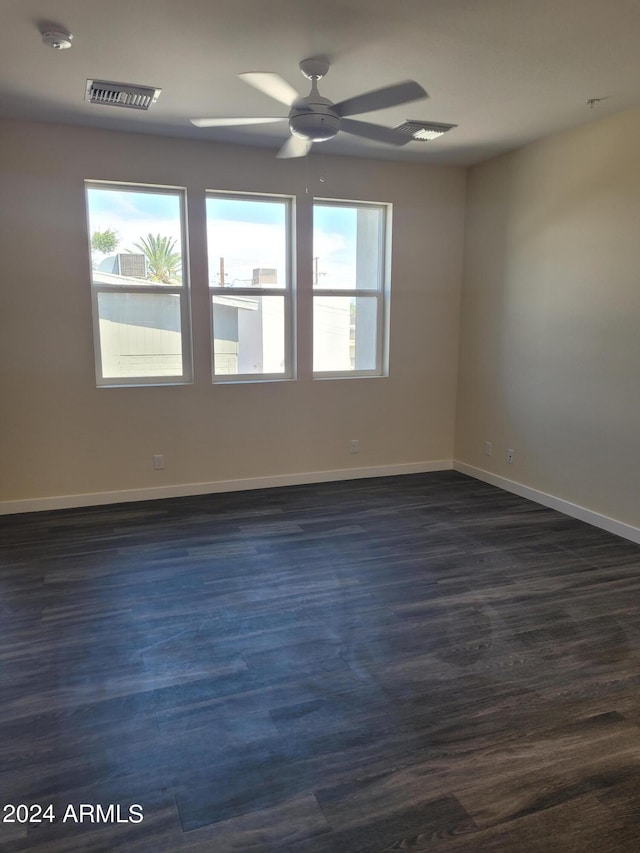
127	95
423	131
57	39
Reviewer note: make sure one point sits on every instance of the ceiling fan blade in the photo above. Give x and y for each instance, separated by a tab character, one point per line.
379	99
294	147
374	131
272	85
233	122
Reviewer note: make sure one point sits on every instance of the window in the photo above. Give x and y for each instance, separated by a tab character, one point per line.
350	288
139	284
249	249
140	291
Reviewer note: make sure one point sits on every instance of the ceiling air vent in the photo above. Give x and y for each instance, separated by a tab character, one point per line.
423	131
121	94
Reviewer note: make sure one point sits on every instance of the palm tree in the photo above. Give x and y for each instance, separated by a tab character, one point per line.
163	264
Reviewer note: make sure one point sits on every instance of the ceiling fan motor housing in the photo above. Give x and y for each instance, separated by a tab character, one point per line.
313	118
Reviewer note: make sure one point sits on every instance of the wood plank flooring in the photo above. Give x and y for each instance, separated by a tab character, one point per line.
420	663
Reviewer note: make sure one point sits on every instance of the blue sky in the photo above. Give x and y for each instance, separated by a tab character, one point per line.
334	244
245	210
133	205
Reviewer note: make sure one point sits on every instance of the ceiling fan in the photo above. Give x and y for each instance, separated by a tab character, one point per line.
317	119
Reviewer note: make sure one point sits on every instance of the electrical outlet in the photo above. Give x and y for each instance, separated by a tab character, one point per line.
158	461
355	445
488	448
510	455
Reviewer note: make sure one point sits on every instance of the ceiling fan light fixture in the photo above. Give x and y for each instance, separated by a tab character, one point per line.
316	121
423	131
313	127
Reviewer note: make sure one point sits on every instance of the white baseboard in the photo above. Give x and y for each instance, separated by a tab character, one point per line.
620	528
187	489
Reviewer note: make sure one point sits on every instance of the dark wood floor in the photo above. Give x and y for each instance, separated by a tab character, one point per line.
411	663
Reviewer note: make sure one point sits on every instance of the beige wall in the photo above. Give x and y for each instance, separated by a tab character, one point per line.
59	435
550	325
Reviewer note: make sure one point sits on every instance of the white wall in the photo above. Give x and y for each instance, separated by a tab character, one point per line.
60	436
550	326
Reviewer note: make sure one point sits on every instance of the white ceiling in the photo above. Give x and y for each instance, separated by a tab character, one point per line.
506	71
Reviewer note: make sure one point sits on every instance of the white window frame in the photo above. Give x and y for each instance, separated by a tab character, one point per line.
181	290
286	292
381	293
